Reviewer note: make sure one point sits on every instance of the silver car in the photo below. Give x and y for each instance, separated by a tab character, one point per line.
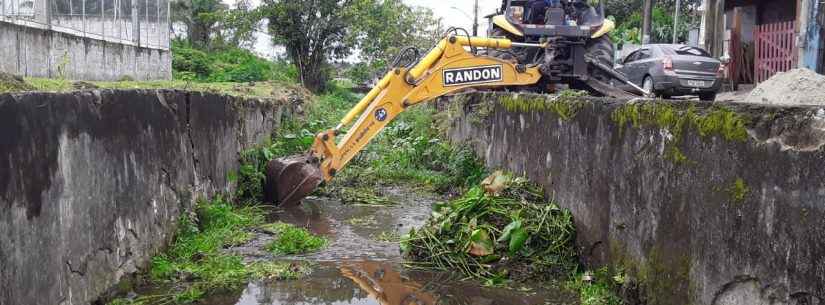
673	70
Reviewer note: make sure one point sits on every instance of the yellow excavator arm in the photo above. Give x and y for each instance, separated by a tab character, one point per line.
446	69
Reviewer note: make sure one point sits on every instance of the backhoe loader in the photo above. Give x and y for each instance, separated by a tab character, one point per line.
457	62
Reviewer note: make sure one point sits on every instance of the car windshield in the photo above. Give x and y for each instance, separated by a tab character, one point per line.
684	50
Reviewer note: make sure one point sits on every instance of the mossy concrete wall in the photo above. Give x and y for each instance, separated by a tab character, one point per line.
699	203
92	183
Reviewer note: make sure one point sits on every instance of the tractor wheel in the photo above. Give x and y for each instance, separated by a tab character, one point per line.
600	49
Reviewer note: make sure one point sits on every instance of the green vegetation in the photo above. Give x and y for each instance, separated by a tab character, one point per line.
195	266
738	191
227	65
196	249
293	240
279	270
267	89
410	150
11	83
364	221
317	33
717	121
515	235
362	195
628	17
565	104
597	288
388	237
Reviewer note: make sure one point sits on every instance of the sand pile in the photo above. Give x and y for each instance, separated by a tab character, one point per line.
795	87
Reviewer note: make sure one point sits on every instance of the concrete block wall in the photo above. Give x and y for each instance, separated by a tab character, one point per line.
92	183
35	52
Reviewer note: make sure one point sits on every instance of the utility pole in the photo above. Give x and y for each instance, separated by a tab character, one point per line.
475	19
648	10
676	21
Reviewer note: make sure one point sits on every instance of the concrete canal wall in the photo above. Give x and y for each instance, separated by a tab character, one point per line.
92	183
699	203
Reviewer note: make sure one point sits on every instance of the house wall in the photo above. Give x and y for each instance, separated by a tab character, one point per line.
37	52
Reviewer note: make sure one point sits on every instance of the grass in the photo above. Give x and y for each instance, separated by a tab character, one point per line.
365	221
388	237
195	266
279	270
246	89
596	288
293	240
362	195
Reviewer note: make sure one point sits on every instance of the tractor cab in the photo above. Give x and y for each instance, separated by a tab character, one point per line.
551	18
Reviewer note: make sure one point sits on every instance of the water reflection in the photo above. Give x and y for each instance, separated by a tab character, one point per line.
384	283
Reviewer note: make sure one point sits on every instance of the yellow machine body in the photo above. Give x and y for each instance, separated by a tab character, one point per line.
446	69
501	22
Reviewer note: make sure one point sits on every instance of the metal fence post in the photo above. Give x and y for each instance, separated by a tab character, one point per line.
135	23
83	14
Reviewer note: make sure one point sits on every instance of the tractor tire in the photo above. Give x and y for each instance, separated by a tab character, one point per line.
602	50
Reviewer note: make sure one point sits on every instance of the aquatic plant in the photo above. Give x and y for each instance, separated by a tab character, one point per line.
293	240
515	235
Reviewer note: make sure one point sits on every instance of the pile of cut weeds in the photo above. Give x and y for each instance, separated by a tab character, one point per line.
503	230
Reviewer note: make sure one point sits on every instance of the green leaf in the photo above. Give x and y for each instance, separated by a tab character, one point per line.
517	239
516	224
480	243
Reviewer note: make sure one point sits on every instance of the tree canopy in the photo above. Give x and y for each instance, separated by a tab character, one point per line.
318	32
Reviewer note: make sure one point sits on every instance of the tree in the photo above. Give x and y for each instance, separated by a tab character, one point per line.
313	32
236	27
211	24
383	29
629	21
318	32
198	17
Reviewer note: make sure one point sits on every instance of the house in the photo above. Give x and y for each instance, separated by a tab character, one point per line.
763	37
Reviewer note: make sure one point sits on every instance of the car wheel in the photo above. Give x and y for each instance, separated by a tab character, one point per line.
708	97
648	86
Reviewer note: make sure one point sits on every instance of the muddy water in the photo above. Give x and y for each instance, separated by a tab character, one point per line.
360	265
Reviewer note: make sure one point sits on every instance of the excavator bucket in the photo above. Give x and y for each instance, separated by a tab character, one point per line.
290	179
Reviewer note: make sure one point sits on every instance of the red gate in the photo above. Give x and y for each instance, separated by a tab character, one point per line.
775	49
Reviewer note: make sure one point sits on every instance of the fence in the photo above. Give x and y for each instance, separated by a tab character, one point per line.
142	23
775	49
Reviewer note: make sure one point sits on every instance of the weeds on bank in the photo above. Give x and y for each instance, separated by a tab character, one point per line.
194	264
409	150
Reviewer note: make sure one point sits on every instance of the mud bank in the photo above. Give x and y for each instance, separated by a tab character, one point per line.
699	203
92	183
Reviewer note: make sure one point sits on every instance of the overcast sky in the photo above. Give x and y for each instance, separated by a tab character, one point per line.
441	8
462	18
